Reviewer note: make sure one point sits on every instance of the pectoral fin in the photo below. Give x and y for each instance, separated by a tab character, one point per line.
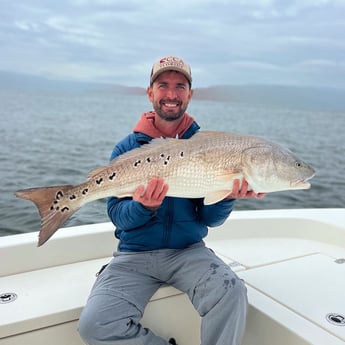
214	197
226	178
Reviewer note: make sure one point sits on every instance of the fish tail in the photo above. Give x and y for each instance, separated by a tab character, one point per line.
52	216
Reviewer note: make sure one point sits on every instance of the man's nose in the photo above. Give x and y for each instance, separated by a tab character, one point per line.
171	93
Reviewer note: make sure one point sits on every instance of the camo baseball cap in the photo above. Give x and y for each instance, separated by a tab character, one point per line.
170	63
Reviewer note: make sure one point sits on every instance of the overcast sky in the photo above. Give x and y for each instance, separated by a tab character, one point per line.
290	42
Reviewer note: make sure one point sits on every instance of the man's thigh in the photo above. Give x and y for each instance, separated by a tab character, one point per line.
203	276
126	277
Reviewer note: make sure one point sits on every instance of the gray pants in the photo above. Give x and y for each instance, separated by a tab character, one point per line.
116	304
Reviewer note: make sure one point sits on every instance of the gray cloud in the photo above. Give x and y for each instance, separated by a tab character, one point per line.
226	42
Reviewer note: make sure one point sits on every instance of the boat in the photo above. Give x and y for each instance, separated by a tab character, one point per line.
292	262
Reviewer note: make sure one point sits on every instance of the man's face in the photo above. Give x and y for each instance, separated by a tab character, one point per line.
170	95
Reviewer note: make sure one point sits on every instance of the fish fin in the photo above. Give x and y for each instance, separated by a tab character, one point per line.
219	195
227	176
214	197
51	219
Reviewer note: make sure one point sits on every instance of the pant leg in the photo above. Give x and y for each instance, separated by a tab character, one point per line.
116	305
216	292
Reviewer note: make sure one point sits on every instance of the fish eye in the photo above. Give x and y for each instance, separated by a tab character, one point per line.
298	164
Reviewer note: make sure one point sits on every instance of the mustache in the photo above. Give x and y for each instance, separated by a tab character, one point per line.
170	100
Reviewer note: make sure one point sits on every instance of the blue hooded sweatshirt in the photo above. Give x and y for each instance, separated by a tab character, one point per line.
178	222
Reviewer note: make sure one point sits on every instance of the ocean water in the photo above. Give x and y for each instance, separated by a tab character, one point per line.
52	138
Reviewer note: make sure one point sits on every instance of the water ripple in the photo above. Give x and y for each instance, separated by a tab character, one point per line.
58	139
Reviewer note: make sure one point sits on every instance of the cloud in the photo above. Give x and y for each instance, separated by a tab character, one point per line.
26	26
225	41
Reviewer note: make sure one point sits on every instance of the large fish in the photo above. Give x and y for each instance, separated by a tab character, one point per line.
203	166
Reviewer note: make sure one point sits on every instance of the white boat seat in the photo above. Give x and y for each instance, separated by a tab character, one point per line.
51	296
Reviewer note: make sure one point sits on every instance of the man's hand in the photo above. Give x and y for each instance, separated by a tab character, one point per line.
241	191
151	197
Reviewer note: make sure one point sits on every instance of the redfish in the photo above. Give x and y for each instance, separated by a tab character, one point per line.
203	166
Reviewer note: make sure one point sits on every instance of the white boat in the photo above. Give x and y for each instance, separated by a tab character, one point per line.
293	263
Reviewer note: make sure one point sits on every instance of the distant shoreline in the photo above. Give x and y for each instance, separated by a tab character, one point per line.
296	97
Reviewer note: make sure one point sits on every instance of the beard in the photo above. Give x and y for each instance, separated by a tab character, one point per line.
170	114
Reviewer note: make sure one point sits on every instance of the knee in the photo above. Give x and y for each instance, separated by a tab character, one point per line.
94	330
232	293
236	293
85	327
225	291
90	327
97	325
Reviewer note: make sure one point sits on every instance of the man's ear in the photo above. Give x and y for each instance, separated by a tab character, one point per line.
191	92
149	93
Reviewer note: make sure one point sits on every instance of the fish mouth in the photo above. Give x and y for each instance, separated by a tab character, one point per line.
302	183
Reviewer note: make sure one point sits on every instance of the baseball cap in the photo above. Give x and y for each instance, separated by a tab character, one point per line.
170	63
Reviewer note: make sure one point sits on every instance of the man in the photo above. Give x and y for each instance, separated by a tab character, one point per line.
161	238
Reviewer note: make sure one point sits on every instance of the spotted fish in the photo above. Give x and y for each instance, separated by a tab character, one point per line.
203	166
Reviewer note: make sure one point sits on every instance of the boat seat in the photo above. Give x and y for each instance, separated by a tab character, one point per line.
51	296
299	282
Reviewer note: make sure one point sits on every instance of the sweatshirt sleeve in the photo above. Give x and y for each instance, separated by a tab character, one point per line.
216	214
126	213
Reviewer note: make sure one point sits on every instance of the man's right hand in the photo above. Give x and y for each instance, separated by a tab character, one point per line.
152	196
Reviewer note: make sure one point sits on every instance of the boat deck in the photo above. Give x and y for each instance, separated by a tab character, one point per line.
296	265
293	263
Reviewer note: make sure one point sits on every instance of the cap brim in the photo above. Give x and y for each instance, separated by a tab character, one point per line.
170	68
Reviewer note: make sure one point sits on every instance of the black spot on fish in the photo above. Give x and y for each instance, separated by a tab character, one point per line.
99	181
72	197
148	160
111	177
59	195
85	191
56	202
167	160
162	155
233	281
137	163
52	208
65	209
226	283
181	154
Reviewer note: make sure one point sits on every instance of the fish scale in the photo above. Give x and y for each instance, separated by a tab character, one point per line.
203	166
